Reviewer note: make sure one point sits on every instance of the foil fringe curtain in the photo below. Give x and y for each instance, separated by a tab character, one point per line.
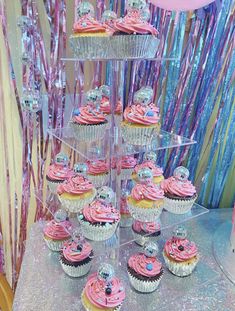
196	95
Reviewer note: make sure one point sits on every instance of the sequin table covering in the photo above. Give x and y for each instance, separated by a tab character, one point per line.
43	286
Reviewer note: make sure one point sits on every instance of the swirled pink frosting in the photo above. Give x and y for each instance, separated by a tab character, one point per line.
99	212
71	253
89	116
77	184
88	24
132	24
188	251
57	230
128	162
58	172
148	227
147	192
156	170
123	207
176	187
95	292
105	106
138	114
97	167
139	263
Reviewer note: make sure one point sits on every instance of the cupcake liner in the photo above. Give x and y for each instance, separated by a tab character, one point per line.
76	271
178	206
97	232
133	46
92	47
144	214
55	245
180	268
87	308
144	286
89	132
126	222
53	186
99	180
138	135
75	206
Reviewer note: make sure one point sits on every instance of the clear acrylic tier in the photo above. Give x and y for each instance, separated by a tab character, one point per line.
163	140
155	59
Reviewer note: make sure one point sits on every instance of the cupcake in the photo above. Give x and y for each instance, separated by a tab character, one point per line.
75	193
105	105
144	270
145	202
88	123
57	231
181	255
180	193
127	165
145	231
103	291
126	219
58	172
141	119
149	162
100	219
76	257
134	37
98	172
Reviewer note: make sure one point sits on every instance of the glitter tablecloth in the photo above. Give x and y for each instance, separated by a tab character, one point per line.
43	286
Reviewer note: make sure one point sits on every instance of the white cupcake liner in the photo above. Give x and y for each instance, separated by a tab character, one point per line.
138	135
144	214
134	46
88	132
97	232
87	308
53	186
54	245
99	180
144	286
75	206
76	271
126	222
178	206
180	268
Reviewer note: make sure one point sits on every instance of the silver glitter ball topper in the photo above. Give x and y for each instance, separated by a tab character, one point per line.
105	194
24	23
150	156
105	272
143	96
85	8
80	168
136	4
145	14
180	232
61	159
150	249
181	173
109	15
31	101
60	215
105	90
94	97
144	175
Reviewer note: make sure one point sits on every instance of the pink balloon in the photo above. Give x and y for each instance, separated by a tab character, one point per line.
180	5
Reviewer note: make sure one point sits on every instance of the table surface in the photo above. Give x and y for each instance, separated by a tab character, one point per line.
43	286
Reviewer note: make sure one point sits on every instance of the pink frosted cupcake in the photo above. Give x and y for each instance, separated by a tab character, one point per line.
98	172
58	172
127	165
145	231
75	193
126	219
144	270
146	200
180	193
181	255
57	231
76	257
103	291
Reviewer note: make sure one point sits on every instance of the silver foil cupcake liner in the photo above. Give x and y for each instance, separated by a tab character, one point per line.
54	245
89	132
76	205
175	206
78	271
126	222
134	46
144	214
180	268
87	308
53	186
97	232
144	286
99	180
138	135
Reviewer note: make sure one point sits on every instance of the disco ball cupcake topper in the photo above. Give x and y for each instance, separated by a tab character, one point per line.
150	156
105	195
109	15
180	233
145	175
105	90
150	249
136	4
93	98
61	159
85	8
143	96
60	216
80	168
31	100
181	173
105	272
145	14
